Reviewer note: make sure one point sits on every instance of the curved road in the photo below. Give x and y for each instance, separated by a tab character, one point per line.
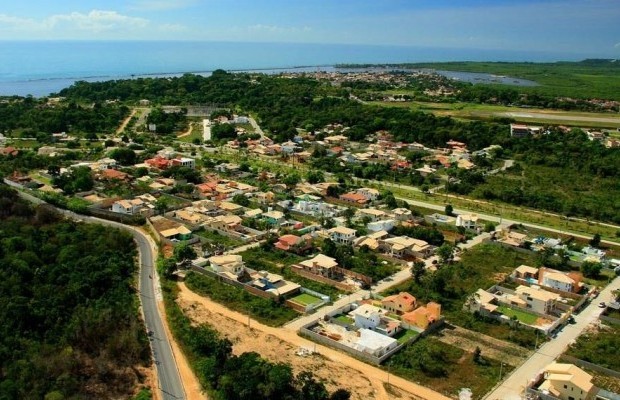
170	383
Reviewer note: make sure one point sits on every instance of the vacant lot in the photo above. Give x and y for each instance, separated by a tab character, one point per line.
598	346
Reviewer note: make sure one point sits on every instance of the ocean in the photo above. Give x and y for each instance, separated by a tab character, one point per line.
40	68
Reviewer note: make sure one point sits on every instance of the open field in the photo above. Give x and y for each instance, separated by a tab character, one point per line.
475	111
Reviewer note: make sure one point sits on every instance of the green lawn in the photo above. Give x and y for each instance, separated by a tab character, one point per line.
522	316
306	299
345	319
405	335
598	347
218	238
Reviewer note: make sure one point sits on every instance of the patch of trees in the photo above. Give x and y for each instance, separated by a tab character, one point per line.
77	179
165	122
35	118
69	326
429	234
223	131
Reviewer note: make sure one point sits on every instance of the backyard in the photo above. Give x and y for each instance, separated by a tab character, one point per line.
306	299
522	316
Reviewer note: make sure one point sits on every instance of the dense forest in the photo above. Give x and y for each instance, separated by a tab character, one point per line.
38	118
69	318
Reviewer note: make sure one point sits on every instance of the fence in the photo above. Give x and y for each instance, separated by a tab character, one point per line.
318	278
611	320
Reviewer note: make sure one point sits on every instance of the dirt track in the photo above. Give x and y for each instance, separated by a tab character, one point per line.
335	368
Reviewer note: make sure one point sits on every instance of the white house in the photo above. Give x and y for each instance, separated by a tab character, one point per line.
367	316
468	221
536	299
383	225
374	343
341	234
229	264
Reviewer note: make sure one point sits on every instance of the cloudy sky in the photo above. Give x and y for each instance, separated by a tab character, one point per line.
574	26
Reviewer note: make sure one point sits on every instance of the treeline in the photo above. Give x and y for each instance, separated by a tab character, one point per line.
246	376
69	323
36	118
286	104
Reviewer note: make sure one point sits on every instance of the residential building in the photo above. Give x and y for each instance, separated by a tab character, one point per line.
567	382
482	302
399	303
423	316
402	214
468	221
320	265
374	343
533	298
367	316
176	234
512	238
526	272
372	213
551	278
129	207
230	223
231	265
426	170
403	246
369	194
383	225
519	130
274	217
341	234
354	198
293	243
274	283
183	162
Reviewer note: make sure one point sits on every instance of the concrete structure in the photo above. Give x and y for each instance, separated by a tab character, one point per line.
423	316
128	207
468	221
367	316
534	298
403	246
374	343
320	265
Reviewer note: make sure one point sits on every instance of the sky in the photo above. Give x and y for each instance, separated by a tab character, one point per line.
590	27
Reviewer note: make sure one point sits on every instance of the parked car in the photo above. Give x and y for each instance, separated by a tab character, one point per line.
602	304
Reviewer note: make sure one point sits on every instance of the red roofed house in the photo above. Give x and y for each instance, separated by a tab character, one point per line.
423	316
9	151
112	174
399	303
157	162
353	197
293	243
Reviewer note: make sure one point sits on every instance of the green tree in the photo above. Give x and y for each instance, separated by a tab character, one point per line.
417	270
596	240
161	205
449	211
241	199
315	176
591	269
124	156
184	252
445	252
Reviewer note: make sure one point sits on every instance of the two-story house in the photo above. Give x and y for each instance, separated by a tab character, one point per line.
341	234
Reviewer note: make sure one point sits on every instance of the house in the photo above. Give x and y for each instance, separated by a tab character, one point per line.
383	225
533	298
189	216
423	316
231	265
320	265
253	213
274	217
265	197
293	243
551	278
112	174
482	302
372	214
335	139
176	234
374	343
426	170
341	234
230	223
157	162
9	151
399	303
468	221
183	162
567	382
519	130
369	194
354	198
512	238
274	283
402	246
228	207
367	316
402	214
465	164
129	207
526	272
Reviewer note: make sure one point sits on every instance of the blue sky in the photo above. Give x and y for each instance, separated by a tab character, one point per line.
572	26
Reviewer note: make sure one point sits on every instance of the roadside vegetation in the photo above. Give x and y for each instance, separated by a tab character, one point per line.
69	320
598	346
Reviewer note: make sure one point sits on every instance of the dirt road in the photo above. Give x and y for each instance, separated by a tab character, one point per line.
333	366
125	122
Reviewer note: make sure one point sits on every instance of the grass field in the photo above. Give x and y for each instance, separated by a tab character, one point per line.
522	316
405	335
306	299
344	319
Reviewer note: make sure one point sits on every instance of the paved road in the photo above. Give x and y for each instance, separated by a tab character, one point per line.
513	386
558	116
170	383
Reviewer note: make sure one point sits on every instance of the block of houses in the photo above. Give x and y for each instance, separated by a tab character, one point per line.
468	221
320	265
230	265
294	243
535	299
367	316
567	382
371	240
399	303
422	316
341	234
402	246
